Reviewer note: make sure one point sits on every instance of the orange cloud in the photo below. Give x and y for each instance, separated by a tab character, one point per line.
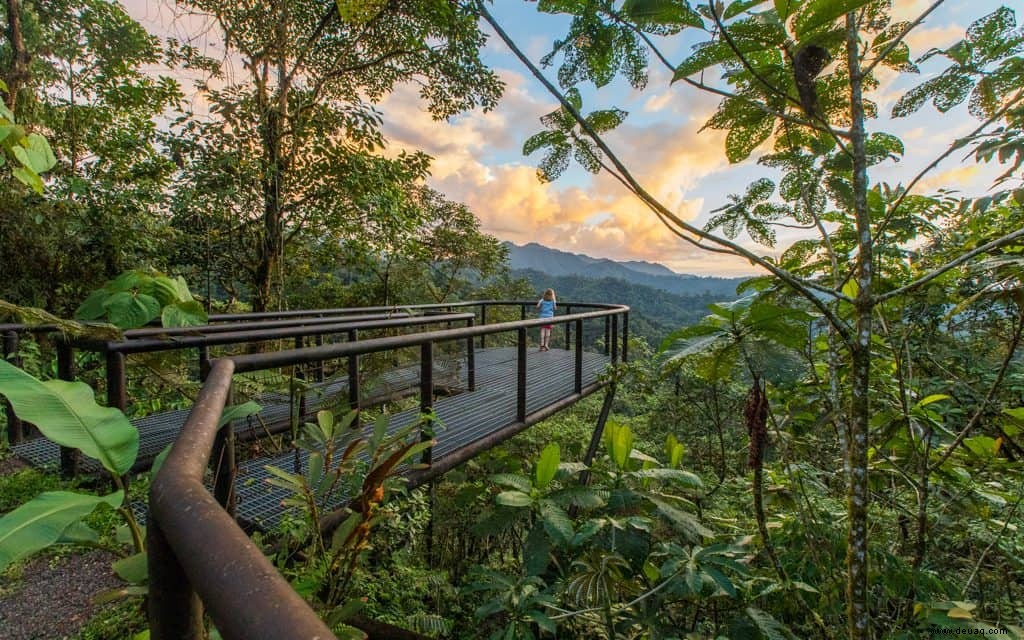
600	216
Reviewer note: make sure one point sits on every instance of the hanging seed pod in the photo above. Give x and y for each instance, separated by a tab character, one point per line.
756	414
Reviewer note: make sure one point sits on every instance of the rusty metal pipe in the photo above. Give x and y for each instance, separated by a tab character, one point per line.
242	591
146	345
260	361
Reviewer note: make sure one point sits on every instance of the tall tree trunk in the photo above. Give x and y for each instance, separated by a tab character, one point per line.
858	616
273	229
17	72
275	166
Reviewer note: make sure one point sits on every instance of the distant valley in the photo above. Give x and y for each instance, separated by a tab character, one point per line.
661	299
656	276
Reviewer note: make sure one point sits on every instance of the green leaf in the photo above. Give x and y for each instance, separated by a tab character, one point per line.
556	522
664	12
547	466
342	533
983	446
134	569
511	480
238	411
619	443
682	521
184	314
42	521
708	54
158	461
744	136
786	8
821	13
536	551
769	626
128	310
738	7
29	178
164	289
40	155
684	478
79	533
67	413
345	611
927	400
514	499
92	308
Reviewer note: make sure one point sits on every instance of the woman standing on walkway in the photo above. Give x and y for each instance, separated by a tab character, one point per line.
547	306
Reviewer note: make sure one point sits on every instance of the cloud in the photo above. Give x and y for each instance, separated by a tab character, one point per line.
477	162
955	178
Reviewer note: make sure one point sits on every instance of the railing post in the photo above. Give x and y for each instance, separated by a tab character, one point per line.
470	360
615	339
353	374
223	459
522	311
625	336
595	438
117	394
568	326
174	609
578	357
318	371
300	374
15	429
483	320
607	335
204	362
66	371
426	398
521	374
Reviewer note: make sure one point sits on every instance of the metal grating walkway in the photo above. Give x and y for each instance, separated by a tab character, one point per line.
158	430
466	416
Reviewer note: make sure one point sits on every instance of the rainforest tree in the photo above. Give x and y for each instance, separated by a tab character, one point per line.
76	73
800	76
294	136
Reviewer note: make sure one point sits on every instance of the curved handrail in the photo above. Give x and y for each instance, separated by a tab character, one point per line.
198	555
202	548
304	355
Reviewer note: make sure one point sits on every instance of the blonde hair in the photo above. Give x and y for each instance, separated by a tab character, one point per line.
549	294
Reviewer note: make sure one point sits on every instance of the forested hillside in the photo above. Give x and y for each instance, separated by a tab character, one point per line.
655	313
655	276
831	449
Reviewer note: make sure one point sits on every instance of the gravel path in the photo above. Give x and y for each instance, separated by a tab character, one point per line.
53	598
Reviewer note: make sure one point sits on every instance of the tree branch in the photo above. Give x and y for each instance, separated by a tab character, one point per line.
985	248
803	287
976	418
895	43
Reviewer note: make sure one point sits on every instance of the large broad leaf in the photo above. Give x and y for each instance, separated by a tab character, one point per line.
662	12
514	499
183	314
547	466
769	626
67	413
130	310
134	569
820	13
41	522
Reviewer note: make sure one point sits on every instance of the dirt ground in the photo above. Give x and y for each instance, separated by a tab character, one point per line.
52	599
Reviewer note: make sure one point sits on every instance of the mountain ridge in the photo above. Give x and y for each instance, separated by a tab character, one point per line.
557	263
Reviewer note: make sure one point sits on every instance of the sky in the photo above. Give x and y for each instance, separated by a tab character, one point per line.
478	156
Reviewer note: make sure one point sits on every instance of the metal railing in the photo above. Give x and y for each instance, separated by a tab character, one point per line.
199	556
